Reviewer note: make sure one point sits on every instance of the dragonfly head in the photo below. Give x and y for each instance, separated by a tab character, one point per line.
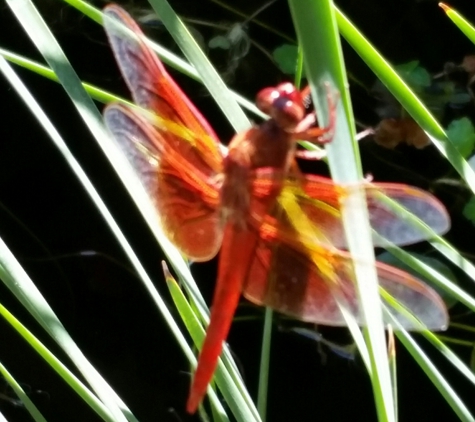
284	104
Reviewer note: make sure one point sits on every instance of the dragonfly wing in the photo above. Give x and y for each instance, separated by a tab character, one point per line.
287	281
167	141
297	271
187	204
319	198
304	285
152	88
388	223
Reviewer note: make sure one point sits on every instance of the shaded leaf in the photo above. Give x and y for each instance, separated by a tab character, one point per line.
286	58
414	75
461	133
469	210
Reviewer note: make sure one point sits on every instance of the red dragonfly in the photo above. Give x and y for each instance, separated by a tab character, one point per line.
279	231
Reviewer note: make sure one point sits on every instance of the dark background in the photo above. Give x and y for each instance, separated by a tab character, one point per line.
54	230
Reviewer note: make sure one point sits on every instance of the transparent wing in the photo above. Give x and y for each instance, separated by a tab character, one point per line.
317	200
169	143
304	284
299	267
153	89
187	206
317	194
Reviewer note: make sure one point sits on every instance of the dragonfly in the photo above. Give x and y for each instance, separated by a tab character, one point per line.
279	231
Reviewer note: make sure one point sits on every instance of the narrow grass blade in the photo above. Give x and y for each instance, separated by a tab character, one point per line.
465	26
264	365
22	396
445	389
317	32
55	364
